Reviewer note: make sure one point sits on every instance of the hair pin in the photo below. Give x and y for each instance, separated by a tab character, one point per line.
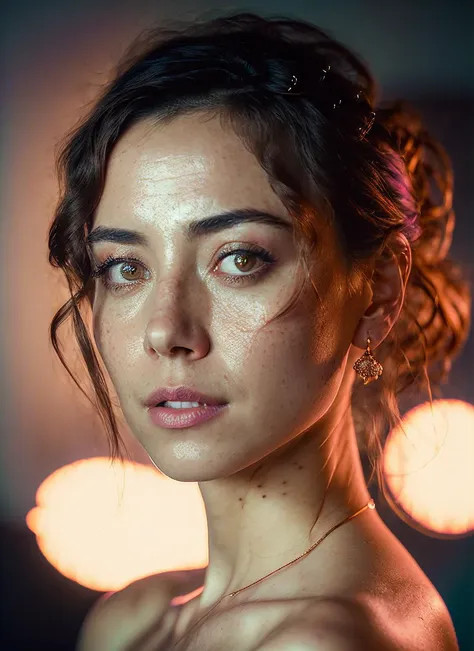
325	72
363	131
294	81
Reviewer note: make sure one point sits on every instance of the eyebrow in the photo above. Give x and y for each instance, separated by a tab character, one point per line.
195	229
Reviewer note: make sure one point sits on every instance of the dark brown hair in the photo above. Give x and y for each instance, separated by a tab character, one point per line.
396	178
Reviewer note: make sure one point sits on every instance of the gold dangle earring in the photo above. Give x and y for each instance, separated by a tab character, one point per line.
367	366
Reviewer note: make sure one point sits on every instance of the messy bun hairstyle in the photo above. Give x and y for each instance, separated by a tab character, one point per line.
302	104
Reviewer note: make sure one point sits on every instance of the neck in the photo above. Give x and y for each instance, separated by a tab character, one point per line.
268	514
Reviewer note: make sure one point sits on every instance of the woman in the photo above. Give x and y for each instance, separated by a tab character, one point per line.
211	146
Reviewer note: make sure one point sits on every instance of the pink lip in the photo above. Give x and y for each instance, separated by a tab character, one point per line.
181	394
180	418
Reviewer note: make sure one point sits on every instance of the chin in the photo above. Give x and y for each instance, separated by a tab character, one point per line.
188	470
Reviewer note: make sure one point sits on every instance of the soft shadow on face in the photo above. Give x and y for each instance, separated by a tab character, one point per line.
179	317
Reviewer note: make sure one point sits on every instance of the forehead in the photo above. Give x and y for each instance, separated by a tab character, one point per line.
192	162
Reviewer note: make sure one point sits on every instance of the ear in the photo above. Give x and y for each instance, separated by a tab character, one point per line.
388	284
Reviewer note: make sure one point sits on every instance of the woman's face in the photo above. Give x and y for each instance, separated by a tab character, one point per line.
175	315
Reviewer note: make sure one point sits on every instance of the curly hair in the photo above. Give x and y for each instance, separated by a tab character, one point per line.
395	178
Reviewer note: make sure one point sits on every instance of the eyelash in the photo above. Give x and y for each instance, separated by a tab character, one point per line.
262	254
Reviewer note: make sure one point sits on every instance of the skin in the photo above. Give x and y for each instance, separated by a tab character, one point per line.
287	436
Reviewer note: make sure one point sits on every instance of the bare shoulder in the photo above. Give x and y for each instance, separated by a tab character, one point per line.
409	613
136	613
119	618
366	625
386	603
328	625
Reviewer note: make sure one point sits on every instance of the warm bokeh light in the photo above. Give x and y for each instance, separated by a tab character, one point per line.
429	466
105	525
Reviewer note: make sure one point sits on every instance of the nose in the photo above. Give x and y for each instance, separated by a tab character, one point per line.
174	327
166	338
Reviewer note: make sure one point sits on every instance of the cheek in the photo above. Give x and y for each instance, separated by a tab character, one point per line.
301	349
103	340
103	332
115	343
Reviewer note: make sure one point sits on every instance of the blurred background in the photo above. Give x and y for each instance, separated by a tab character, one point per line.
58	559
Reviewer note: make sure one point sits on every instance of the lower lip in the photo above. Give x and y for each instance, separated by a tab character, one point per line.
180	418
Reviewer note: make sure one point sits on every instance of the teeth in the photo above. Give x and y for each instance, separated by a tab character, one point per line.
183	405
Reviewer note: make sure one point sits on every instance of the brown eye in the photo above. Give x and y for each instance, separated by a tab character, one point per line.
119	273
238	265
129	271
242	262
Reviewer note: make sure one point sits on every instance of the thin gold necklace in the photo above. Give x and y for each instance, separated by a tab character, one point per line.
370	505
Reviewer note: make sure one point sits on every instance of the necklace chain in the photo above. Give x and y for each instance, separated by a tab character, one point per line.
370	505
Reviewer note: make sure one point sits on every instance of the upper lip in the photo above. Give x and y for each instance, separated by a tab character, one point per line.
181	394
